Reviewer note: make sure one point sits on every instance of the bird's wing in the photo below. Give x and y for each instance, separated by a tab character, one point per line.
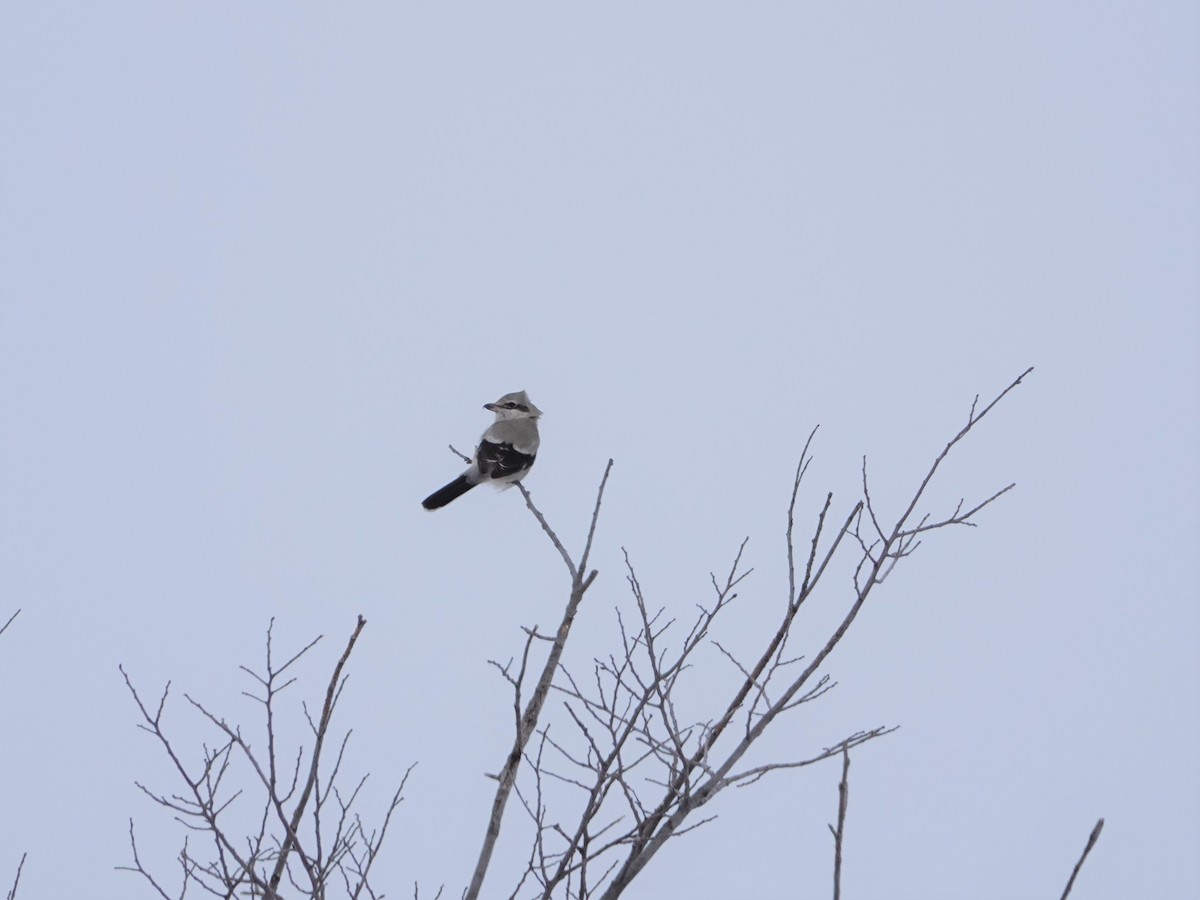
501	460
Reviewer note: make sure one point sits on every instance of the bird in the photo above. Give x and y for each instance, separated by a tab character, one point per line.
505	453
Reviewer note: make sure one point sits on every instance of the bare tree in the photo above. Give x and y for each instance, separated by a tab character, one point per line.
630	770
641	773
305	836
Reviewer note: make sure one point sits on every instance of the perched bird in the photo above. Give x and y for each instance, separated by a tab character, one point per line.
505	452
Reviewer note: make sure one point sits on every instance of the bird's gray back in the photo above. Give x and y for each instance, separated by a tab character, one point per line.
522	434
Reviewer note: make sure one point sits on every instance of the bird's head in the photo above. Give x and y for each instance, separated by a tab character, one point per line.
516	405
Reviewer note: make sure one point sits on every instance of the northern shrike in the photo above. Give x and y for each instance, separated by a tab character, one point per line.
505	452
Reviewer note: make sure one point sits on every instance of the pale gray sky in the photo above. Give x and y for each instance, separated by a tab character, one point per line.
261	263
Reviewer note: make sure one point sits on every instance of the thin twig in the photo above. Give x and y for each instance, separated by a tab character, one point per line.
319	741
2	630
199	806
972	420
21	865
749	776
1091	842
591	535
839	833
748	685
801	468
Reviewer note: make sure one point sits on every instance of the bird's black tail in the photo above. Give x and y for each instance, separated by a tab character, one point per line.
452	491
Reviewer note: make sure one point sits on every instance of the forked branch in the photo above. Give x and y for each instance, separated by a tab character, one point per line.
641	769
700	760
308	830
528	720
839	833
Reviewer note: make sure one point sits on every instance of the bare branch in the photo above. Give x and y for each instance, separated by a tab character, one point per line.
839	833
340	846
957	517
806	588
529	718
749	776
1091	842
12	894
591	535
870	506
698	774
972	419
627	731
801	469
137	866
326	714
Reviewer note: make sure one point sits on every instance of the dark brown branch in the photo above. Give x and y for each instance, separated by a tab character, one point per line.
4	628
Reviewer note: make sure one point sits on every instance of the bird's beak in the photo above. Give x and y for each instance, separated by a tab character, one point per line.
491	406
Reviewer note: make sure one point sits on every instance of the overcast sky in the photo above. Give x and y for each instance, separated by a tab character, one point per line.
262	262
